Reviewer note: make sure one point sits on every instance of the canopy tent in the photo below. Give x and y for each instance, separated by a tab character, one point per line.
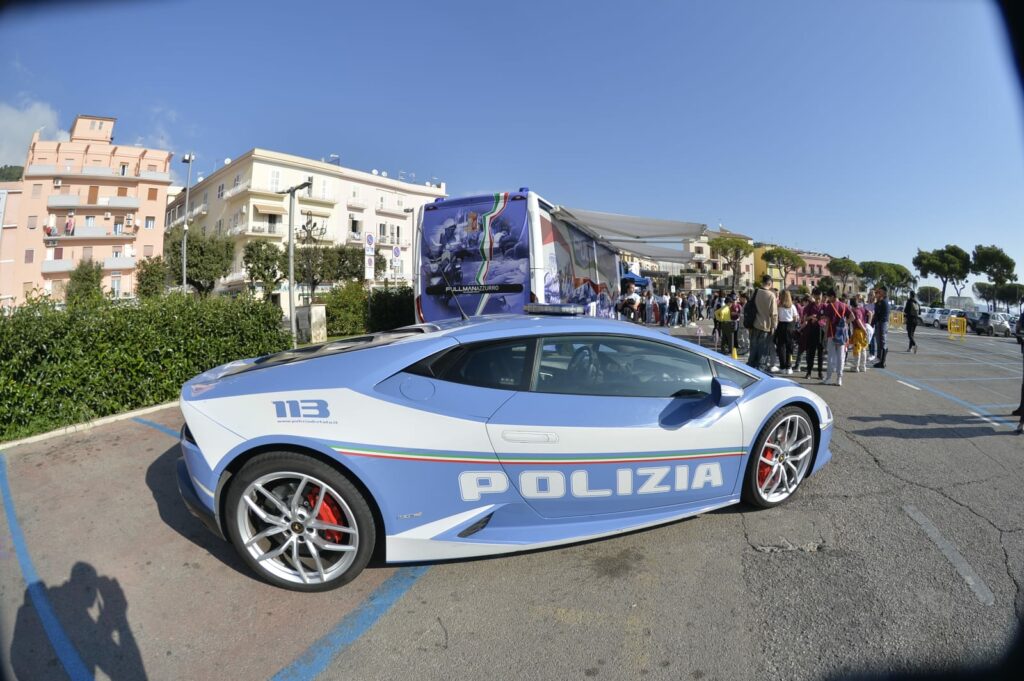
643	282
645	237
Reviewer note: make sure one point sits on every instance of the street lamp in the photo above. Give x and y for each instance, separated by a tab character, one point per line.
291	254
187	158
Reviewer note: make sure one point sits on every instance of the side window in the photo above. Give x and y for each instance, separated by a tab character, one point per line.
735	375
502	365
619	367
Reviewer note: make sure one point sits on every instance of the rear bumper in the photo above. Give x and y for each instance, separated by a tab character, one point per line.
192	502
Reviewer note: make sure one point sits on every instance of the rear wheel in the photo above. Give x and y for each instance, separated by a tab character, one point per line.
780	458
299	523
991	331
936	323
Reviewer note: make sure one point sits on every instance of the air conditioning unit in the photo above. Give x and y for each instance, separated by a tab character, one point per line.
128	219
56	182
107	215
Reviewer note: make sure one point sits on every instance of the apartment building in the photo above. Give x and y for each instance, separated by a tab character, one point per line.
707	269
86	198
815	268
241	200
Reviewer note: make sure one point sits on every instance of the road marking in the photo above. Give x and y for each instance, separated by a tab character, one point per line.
914	387
62	645
319	655
973	408
170	432
988	420
972	578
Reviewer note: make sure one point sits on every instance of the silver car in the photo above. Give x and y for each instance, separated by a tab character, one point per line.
992	323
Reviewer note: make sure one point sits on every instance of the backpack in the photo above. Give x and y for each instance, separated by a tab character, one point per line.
842	330
750	312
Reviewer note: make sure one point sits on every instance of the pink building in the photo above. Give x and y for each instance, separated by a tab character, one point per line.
816	267
82	199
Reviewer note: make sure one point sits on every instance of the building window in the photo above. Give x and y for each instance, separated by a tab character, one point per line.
382	231
238	180
220	191
115	284
272	222
398	232
87	253
151	167
353	224
58	253
37	191
33	221
92	125
275	179
29	256
699	250
118	228
205	196
219	226
122	191
124	169
151	194
90	220
147	251
101	125
150	222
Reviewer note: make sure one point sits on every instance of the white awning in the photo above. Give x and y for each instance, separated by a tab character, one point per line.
650	238
269	210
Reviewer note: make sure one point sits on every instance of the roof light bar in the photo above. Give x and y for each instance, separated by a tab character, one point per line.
565	310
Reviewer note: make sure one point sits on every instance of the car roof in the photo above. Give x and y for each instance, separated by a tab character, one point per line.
492	327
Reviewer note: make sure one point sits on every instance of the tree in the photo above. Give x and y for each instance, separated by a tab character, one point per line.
950	265
265	264
873	272
731	250
899	279
994	263
826	283
209	258
786	260
151	277
350	264
86	283
986	292
842	269
11	173
1010	294
929	295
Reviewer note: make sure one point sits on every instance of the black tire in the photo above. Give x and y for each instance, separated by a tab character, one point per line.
991	332
291	462
936	323
750	494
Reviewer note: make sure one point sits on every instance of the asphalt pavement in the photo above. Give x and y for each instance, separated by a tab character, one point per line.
906	552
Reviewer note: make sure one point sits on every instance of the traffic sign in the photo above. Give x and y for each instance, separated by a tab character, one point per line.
396	252
369	239
369	250
369	267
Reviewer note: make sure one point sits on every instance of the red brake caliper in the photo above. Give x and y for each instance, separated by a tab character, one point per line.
330	512
764	469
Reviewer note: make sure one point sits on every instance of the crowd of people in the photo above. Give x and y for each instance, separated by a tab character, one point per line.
777	330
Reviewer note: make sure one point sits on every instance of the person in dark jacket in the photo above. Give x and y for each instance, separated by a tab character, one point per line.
1019	412
881	319
911	317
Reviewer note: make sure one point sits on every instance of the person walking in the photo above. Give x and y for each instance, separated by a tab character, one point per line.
911	317
838	321
786	332
813	333
1019	411
673	310
691	306
727	326
663	308
881	318
859	337
765	317
742	332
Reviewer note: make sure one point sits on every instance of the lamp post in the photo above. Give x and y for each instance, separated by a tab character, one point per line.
291	254
187	158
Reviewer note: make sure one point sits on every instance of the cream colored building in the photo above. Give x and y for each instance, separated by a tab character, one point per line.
85	198
706	269
241	200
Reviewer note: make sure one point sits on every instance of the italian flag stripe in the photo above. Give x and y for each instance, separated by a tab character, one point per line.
553	460
486	241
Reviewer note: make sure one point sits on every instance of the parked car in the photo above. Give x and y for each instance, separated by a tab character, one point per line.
972	319
942	321
482	437
992	323
928	315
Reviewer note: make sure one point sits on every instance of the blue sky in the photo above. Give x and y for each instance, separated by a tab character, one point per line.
866	128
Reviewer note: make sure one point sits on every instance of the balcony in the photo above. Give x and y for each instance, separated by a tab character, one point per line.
197	211
67	201
154	176
119	262
356	202
235	191
390	209
42	170
120	202
319	199
699	257
57	266
63	201
86	233
353	237
96	171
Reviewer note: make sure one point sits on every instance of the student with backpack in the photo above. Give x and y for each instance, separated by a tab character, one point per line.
760	317
839	325
911	317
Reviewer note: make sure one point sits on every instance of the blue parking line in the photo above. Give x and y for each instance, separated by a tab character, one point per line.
157	426
62	645
978	409
319	655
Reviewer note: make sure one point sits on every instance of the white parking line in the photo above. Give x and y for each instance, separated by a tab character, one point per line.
914	387
972	578
987	420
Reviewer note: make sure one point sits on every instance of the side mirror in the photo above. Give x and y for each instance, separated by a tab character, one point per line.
724	392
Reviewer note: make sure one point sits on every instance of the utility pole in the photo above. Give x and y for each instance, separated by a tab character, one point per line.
187	158
291	255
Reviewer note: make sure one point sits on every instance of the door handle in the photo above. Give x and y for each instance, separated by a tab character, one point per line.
532	437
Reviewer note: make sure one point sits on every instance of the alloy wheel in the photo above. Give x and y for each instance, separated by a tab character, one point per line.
784	458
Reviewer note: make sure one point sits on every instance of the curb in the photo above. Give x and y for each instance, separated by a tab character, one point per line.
88	425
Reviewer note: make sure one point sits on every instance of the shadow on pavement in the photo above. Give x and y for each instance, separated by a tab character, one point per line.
954	426
162	480
94	613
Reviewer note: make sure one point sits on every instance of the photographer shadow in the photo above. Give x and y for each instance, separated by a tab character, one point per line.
93	611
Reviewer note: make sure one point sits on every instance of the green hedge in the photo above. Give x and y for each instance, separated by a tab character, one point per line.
391	308
59	367
351	312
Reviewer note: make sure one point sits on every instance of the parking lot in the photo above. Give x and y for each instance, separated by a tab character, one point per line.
906	552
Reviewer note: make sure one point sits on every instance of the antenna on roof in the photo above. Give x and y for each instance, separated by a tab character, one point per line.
455	296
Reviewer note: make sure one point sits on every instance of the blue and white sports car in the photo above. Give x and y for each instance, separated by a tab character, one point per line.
485	436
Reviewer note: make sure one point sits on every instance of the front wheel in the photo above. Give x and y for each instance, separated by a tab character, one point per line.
780	458
299	523
936	323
